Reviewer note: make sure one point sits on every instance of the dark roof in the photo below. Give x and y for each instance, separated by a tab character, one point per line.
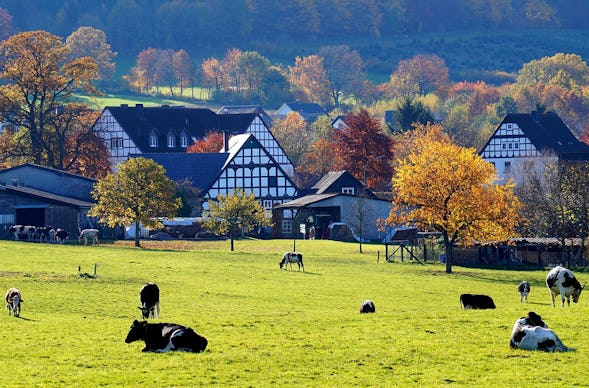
46	195
138	122
239	109
327	180
309	108
547	131
201	168
50	170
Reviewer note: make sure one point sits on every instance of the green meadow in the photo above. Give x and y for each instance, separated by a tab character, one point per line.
271	327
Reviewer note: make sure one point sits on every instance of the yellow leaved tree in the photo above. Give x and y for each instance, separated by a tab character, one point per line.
439	186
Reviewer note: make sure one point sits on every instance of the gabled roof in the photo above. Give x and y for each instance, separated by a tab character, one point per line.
48	170
547	131
326	182
306	200
201	168
29	191
138	121
308	108
238	109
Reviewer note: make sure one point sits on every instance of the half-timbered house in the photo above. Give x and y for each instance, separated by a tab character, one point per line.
139	129
524	141
246	164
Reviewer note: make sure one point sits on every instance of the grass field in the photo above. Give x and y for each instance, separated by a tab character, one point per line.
268	327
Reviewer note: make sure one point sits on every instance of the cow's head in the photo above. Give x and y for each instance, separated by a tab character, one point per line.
281	263
136	332
147	311
577	293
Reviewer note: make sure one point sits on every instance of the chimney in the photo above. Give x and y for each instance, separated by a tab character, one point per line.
225	141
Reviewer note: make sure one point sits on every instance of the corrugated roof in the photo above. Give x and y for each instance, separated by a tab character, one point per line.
46	195
306	200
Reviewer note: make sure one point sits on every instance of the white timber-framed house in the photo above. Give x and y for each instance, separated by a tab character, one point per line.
530	140
134	130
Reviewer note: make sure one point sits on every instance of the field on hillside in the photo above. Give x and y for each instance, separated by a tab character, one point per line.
271	327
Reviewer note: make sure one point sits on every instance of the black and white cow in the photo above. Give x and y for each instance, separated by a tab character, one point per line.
531	333
13	301
562	281
164	337
524	291
149	297
21	232
367	307
292	257
473	301
61	235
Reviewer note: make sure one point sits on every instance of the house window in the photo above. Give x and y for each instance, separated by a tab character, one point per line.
183	141
510	145
267	204
171	141
153	141
507	167
286	227
116	142
516	146
348	190
503	146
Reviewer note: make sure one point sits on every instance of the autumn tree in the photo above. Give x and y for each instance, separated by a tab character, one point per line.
137	193
91	42
234	214
182	69
317	161
212	142
309	79
419	75
142	76
37	98
293	136
344	71
363	150
451	190
212	73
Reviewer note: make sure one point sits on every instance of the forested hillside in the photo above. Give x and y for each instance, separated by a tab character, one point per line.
472	37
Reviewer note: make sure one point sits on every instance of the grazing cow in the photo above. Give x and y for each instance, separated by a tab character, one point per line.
470	301
23	231
149	296
163	337
13	301
531	333
61	235
562	281
292	257
524	290
89	234
367	307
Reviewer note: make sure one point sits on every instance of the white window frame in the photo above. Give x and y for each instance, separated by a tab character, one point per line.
153	141
348	190
183	141
116	142
171	141
287	227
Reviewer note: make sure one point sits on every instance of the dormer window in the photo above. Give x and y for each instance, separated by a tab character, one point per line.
171	140
153	140
183	141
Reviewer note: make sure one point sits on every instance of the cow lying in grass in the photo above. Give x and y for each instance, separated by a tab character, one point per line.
165	337
367	307
531	333
470	301
292	257
13	301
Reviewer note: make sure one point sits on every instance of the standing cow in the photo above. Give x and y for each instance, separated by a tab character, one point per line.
149	297
292	257
562	281
531	333
89	235
164	337
13	301
524	290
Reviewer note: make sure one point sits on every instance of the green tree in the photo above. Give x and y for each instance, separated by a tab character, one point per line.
137	193
235	214
410	112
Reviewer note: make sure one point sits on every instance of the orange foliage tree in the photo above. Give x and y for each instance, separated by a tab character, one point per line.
442	187
318	161
212	142
364	150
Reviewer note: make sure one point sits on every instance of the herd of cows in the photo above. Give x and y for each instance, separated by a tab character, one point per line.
46	234
529	332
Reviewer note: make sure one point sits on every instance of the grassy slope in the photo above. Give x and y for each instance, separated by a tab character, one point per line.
271	327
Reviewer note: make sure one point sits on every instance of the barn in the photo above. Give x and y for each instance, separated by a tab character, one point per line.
35	195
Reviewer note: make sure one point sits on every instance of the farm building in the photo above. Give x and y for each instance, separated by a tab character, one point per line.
338	207
40	196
